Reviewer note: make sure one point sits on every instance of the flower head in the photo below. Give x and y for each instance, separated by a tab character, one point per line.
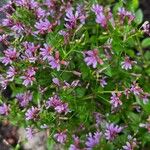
112	131
135	89
29	76
11	73
43	26
115	100
32	113
92	58
103	82
93	140
60	137
46	52
127	63
57	104
24	98
10	56
29	133
4	109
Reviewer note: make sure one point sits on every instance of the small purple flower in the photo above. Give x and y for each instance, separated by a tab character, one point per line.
18	28
4	109
73	147
30	51
115	100
29	76
93	140
55	62
46	52
43	26
32	113
3	82
102	20
71	18
103	82
63	108
53	102
97	9
125	14
135	89
3	38
57	104
8	22
40	13
10	55
29	133
146	27
60	137
24	98
92	58
56	81
145	98
127	63
11	73
131	145
112	131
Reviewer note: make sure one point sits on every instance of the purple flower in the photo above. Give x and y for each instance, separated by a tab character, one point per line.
60	137
100	16
18	28
10	55
145	98
76	143
53	102
46	52
146	27
115	100
3	82
40	13
103	82
43	26
32	113
3	38
29	133
135	89
4	109
57	104
97	9
71	18
93	140
101	19
24	98
8	22
73	147
127	63
30	51
29	76
123	14
55	62
112	131
56	81
11	73
131	145
63	108
82	13
92	58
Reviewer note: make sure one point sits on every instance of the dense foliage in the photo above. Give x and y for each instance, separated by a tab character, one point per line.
79	70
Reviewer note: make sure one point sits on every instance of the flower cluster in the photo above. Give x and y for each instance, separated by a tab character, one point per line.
79	71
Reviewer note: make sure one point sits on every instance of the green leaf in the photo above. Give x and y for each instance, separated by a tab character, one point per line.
139	16
146	42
